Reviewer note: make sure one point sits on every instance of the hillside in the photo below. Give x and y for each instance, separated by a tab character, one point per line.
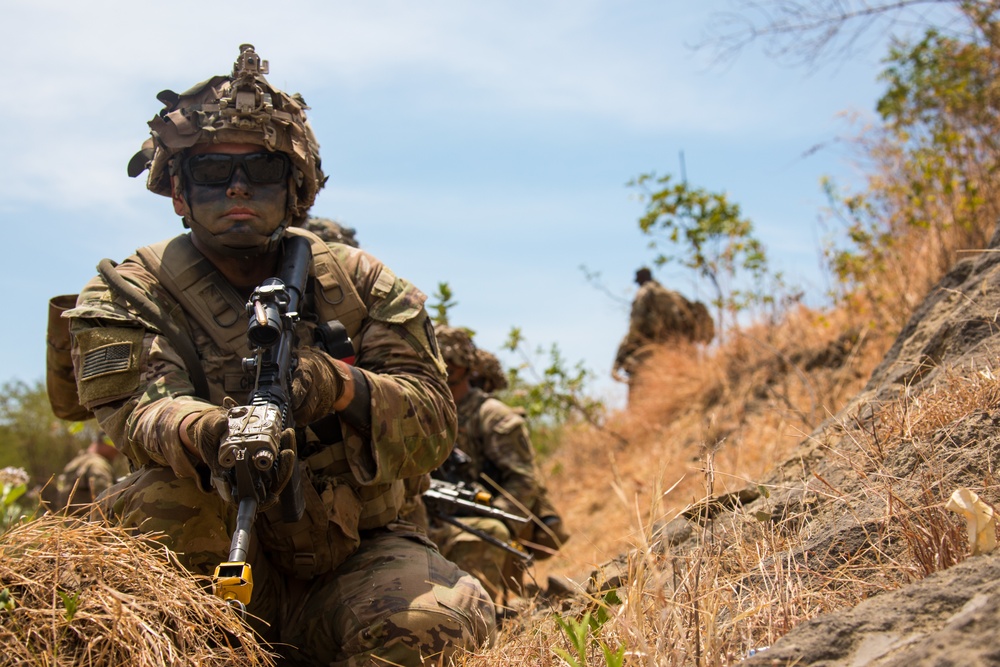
788	492
880	472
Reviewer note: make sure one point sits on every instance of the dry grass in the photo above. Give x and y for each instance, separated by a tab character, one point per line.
84	594
705	423
715	422
913	239
711	422
749	403
915	418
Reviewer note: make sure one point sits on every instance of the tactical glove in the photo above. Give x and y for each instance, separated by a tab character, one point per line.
206	432
318	382
286	462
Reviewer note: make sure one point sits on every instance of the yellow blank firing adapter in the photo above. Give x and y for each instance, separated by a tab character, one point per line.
233	583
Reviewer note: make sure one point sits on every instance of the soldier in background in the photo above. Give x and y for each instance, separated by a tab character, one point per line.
331	231
501	460
87	475
659	316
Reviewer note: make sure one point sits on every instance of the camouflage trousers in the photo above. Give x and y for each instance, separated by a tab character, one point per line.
394	601
493	566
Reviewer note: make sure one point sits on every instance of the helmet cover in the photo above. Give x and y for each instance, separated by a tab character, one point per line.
456	346
489	374
331	231
240	108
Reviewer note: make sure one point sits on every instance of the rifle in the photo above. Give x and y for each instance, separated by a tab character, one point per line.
446	500
250	450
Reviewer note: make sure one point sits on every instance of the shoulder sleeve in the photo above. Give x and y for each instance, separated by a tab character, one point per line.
413	421
508	448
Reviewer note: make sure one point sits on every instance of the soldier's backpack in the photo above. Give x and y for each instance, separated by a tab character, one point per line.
675	315
665	316
60	383
704	326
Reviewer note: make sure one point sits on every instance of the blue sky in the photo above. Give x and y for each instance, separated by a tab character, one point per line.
483	144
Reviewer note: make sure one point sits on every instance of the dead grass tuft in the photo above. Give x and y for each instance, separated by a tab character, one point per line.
749	401
85	594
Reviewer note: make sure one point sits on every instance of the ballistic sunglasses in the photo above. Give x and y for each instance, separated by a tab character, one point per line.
217	168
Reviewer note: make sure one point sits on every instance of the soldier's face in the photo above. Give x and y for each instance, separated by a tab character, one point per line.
456	375
239	191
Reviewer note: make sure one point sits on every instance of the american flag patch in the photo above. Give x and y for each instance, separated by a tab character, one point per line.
113	358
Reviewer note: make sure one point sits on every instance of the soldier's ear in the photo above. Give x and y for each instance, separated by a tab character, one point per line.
181	207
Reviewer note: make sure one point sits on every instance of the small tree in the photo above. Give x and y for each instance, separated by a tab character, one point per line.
935	189
813	33
544	385
444	303
706	232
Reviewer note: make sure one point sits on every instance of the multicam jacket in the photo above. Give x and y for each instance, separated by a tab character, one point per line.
495	437
132	377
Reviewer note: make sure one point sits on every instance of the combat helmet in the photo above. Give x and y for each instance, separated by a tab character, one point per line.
456	345
488	374
330	231
240	108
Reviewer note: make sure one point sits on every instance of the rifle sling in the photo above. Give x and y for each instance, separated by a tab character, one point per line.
152	312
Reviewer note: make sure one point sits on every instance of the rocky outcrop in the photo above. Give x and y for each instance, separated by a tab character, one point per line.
950	617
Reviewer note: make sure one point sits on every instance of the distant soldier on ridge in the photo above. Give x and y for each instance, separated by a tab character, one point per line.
659	317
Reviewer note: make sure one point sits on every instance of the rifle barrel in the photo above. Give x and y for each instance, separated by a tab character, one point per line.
240	545
458	496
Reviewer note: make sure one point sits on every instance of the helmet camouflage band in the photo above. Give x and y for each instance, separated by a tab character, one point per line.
456	345
240	108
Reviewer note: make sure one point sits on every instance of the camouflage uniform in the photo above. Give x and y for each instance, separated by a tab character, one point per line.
84	478
658	316
349	583
495	438
489	564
